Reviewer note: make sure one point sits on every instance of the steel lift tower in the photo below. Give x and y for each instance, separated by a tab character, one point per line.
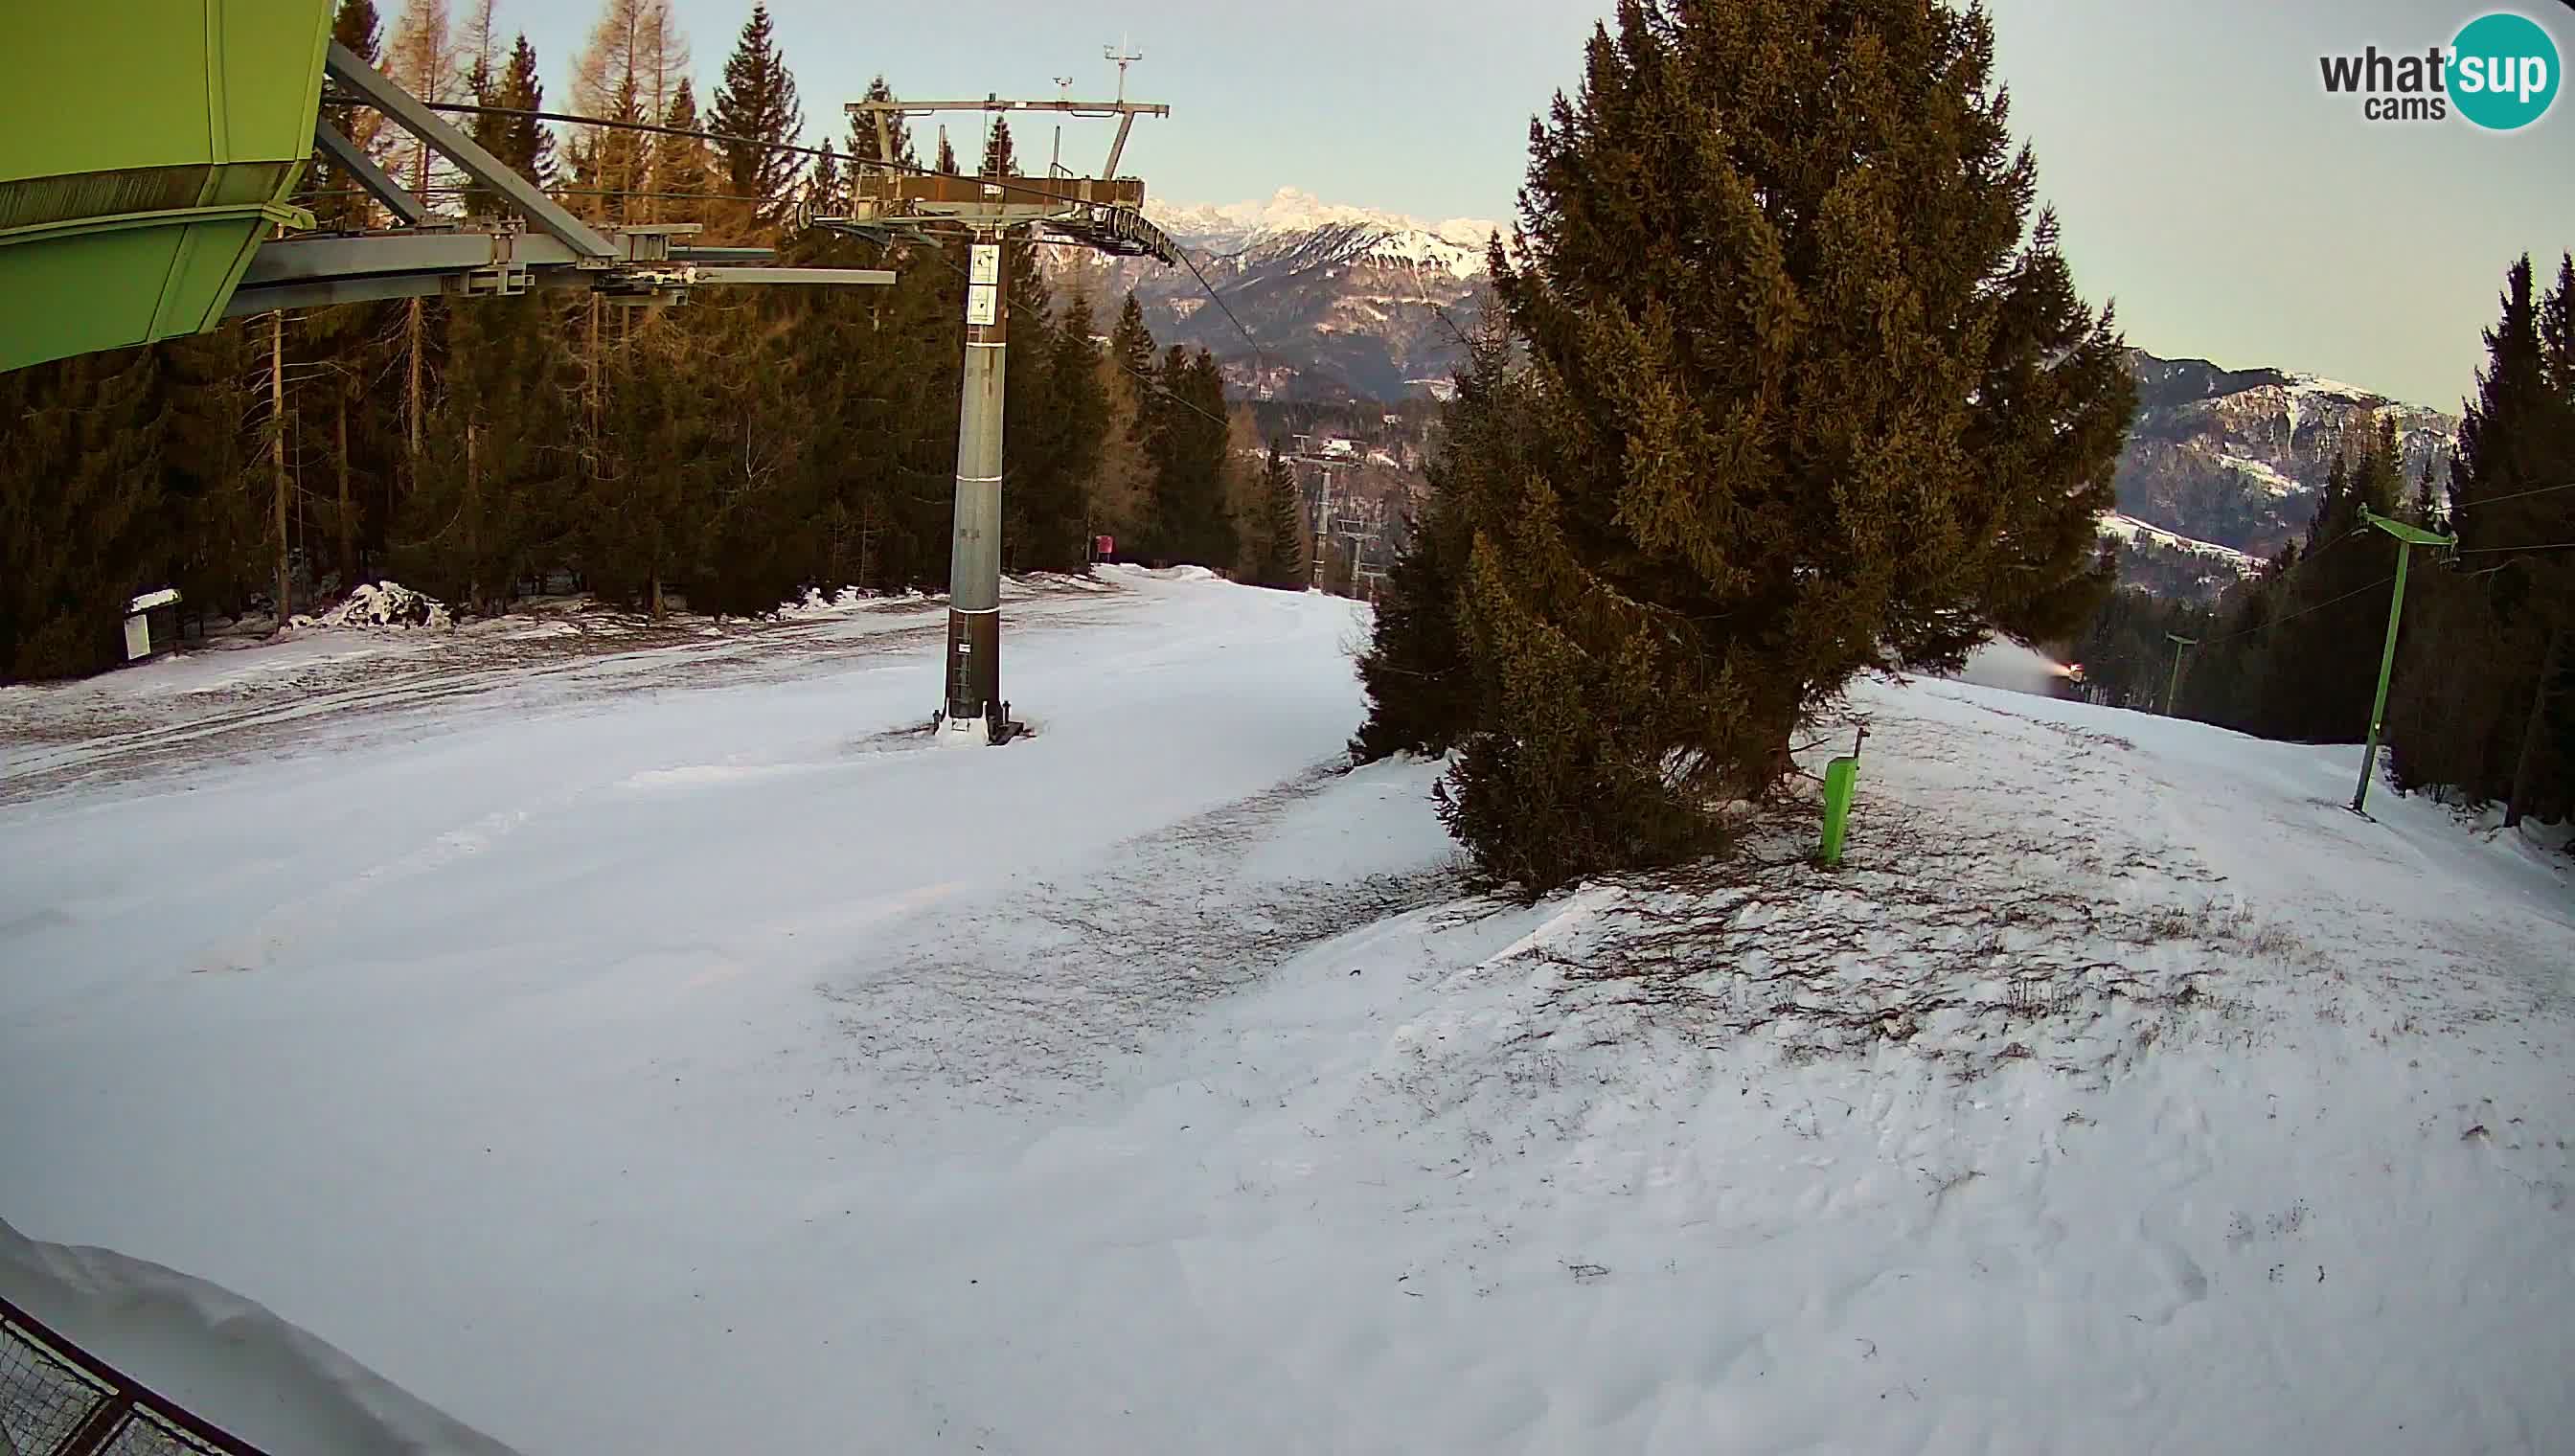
996	216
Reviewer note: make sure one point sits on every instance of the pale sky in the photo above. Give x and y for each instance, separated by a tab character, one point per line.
2205	181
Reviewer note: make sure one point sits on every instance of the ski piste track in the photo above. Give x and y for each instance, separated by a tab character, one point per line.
229	706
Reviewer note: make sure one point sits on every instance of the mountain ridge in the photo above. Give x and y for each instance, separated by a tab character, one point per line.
1346	303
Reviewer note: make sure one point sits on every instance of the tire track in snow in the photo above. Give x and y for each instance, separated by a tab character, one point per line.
1035	991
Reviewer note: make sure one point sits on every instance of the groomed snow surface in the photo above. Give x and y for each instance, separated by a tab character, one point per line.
654	1049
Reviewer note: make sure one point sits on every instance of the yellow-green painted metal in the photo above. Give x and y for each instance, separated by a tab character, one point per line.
2407	538
146	147
1841	780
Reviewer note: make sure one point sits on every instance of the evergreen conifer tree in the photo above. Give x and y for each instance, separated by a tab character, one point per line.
334	196
1000	160
1280	559
81	512
1188	520
684	185
824	195
758	103
863	149
527	144
1812	396
2484	700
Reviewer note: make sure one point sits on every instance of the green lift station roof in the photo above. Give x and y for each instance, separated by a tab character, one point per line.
146	149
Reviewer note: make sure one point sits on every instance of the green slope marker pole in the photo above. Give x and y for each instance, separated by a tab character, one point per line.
1841	778
2172	692
2407	538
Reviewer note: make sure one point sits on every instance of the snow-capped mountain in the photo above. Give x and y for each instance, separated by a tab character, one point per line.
2235	457
1234	228
1347	301
1341	302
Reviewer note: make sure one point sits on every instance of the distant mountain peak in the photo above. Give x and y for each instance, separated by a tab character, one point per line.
1457	243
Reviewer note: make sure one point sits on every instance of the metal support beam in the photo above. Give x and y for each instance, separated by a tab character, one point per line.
309	272
900	107
727	273
351	71
975	550
1117	148
2407	536
302	259
347	156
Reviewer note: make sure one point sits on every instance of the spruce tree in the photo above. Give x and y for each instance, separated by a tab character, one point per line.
945	166
2485	696
1280	562
863	149
683	178
1000	160
1418	681
758	103
527	144
337	202
2315	672
82	520
1188	520
824	195
1812	396
1080	406
1130	349
2424	509
492	508
217	487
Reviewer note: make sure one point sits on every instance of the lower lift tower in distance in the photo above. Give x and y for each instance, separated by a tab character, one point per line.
995	216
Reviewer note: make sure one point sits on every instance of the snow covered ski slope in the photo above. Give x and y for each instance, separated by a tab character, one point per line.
645	1050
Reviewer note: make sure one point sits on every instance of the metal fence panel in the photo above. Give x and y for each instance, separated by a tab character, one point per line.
57	1399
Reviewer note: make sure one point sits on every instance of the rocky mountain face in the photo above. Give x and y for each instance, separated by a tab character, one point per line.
2236	457
1345	303
1351	304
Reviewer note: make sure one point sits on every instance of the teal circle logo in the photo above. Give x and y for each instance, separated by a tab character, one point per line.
2503	71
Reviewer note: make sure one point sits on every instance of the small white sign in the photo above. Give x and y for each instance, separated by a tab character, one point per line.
986	263
983	304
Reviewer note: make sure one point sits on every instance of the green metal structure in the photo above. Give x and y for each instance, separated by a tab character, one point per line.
2407	538
1841	783
147	147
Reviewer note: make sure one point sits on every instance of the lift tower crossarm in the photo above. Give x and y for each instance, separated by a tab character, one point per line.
997	215
1124	111
351	70
352	159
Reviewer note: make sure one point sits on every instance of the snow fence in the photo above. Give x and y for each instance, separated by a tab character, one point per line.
56	1399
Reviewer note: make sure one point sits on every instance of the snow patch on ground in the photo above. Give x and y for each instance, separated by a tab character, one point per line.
815	603
2262	476
227	1359
2129	528
383	604
1152	1083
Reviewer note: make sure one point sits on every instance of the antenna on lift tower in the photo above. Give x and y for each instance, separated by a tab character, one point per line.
1063	93
994	216
1124	58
